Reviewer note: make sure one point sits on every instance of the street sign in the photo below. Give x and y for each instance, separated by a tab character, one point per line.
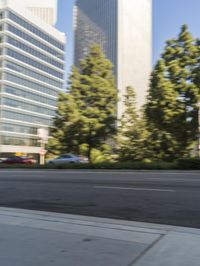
43	152
43	134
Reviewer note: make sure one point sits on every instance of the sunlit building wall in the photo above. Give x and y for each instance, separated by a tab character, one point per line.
31	77
44	9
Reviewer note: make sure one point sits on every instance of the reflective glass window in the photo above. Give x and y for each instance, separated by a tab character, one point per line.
33	63
33	52
33	41
18	129
29	84
26	118
11	140
28	95
35	30
33	74
27	106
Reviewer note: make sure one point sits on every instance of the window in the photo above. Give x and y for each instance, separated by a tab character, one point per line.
35	53
1	15
26	118
19	129
10	140
35	30
27	106
35	42
33	63
30	84
33	74
28	95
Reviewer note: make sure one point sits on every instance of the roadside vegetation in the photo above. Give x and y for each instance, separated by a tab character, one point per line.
162	135
183	164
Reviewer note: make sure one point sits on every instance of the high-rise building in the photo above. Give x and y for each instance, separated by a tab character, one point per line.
31	77
123	28
44	9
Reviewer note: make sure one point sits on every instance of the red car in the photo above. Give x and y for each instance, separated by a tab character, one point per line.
19	160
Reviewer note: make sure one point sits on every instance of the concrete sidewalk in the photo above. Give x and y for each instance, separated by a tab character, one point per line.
32	238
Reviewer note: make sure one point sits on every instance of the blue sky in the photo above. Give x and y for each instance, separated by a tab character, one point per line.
168	16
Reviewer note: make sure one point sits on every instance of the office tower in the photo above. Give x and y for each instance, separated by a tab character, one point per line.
44	9
123	28
31	76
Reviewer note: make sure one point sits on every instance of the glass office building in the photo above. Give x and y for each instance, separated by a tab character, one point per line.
123	28
95	22
31	77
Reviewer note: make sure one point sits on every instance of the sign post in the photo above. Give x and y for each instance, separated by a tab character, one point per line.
43	135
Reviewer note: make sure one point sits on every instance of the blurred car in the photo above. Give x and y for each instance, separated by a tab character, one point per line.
1	160
68	158
19	160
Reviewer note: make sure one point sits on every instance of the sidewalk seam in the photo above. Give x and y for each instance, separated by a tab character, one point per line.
146	250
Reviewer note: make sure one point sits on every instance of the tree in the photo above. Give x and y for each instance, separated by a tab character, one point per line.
173	95
86	115
132	134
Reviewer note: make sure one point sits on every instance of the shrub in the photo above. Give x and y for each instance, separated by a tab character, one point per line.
189	164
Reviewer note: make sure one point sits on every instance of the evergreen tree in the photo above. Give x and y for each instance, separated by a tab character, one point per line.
87	113
173	95
132	134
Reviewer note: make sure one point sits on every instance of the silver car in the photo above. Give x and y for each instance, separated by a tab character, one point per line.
68	158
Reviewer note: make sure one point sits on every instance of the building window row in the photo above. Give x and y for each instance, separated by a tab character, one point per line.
2	15
35	30
33	63
33	74
33	41
28	95
33	52
29	84
26	118
10	140
27	106
18	129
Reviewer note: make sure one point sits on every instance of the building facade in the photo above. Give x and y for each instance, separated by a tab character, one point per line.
123	28
31	77
44	9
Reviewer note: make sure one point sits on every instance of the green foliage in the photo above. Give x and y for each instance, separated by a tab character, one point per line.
173	96
189	164
157	165
132	133
87	113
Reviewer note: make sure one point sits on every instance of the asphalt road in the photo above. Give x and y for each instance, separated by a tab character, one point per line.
154	196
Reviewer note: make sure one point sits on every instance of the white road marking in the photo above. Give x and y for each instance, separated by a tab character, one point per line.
134	188
99	172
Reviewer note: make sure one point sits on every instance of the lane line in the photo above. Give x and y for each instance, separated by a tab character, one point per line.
15	171
134	188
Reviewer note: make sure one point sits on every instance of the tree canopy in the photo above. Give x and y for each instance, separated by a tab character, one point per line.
86	114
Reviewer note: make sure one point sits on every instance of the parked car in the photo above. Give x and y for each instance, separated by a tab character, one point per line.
68	158
19	160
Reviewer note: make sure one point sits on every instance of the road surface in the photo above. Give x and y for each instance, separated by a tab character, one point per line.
171	197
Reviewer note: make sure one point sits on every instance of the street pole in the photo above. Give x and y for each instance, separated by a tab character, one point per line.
42	154
43	136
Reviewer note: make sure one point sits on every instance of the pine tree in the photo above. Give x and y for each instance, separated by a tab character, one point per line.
87	114
161	109
173	95
132	134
